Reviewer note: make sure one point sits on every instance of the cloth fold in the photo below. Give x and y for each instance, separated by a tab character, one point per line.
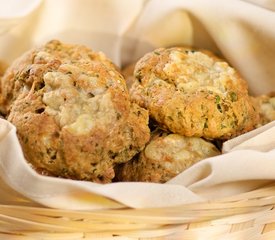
241	31
13	12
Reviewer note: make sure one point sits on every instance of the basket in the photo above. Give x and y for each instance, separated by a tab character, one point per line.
245	216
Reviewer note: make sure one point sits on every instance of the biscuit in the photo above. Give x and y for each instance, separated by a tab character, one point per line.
266	104
193	93
73	113
165	156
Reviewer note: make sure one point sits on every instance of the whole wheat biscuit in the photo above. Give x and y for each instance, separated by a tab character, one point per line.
73	114
266	105
193	93
165	156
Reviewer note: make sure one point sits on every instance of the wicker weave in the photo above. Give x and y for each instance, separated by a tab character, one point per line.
245	216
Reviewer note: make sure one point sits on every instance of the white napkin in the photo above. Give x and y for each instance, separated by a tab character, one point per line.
268	4
125	30
12	12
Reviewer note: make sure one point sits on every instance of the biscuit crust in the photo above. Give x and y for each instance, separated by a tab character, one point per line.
193	93
73	114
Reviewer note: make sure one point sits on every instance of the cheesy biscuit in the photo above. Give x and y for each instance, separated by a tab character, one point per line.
72	112
267	107
193	93
165	156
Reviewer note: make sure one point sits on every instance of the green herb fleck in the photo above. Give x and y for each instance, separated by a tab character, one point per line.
157	53
217	99
233	96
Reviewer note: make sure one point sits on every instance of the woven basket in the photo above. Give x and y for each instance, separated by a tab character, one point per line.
246	216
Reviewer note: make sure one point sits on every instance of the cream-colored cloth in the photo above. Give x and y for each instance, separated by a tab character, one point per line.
241	31
12	12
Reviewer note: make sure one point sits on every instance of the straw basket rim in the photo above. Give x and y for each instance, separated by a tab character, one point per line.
249	215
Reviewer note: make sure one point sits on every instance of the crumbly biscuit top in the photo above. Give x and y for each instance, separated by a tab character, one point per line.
174	151
59	64
80	100
77	84
188	70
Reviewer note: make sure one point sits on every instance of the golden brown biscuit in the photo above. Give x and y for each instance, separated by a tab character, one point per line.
193	94
72	111
164	157
267	108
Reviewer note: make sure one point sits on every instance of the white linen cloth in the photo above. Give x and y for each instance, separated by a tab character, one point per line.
242	31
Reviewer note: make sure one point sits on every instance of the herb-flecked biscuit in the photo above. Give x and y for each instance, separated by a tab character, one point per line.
165	156
193	93
73	113
267	108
